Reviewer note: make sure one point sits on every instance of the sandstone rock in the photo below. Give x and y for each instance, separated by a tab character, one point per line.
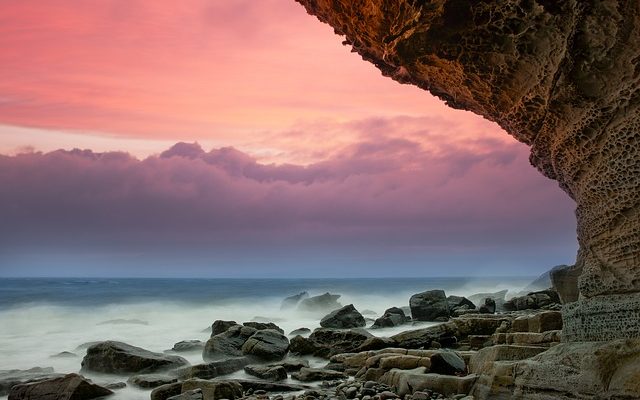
418	338
273	373
538	323
228	343
220	326
429	306
532	301
188	345
117	357
343	318
323	303
269	386
409	381
292	301
150	381
291	365
565	282
325	342
315	374
266	345
214	390
498	297
376	343
404	362
263	325
68	387
489	306
482	361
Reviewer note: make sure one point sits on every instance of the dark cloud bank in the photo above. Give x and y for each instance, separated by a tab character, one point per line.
381	208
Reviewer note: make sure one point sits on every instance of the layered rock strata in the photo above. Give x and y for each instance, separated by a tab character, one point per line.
562	77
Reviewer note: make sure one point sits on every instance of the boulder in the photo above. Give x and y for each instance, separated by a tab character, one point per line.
300	331
459	301
404	362
228	343
272	373
212	369
195	394
316	374
150	381
410	381
291	365
489	306
422	338
263	325
532	301
266	344
188	345
565	283
393	316
429	306
447	362
214	390
498	297
118	358
292	301
334	341
68	387
376	343
269	386
166	391
344	318
219	326
12	377
323	303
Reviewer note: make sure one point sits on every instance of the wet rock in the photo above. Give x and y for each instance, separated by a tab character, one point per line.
498	297
188	345
12	377
214	390
115	385
343	318
532	301
195	394
219	326
459	301
323	303
422	338
266	345
376	343
263	325
300	331
393	316
269	386
150	381
292	301
429	306
291	365
489	306
65	354
68	387
316	374
447	362
166	391
228	343
117	358
272	373
212	369
327	341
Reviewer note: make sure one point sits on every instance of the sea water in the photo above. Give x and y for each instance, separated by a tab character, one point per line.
41	317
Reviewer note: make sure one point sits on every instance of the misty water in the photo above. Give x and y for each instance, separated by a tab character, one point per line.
40	318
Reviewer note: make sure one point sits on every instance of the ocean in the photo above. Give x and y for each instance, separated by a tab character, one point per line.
41	317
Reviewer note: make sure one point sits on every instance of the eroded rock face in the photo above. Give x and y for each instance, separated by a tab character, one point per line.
562	77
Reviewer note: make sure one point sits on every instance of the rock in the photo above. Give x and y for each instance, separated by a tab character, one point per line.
323	303
292	301
118	358
303	346
447	362
459	301
269	386
68	387
166	391
532	301
376	343
219	326
64	354
489	306
482	360
188	345
212	369
12	377
393	316
429	306
228	343
344	318
300	331
408	381
315	374
266	345
291	365
195	394
540	322
328	341
214	390
272	373
498	297
419	338
543	282
565	282
263	325
150	381
404	362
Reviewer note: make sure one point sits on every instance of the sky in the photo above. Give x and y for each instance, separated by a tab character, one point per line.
242	139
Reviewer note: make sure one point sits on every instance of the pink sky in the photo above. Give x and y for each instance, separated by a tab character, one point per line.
138	75
305	151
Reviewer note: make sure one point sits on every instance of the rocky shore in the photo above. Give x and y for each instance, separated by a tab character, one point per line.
447	347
